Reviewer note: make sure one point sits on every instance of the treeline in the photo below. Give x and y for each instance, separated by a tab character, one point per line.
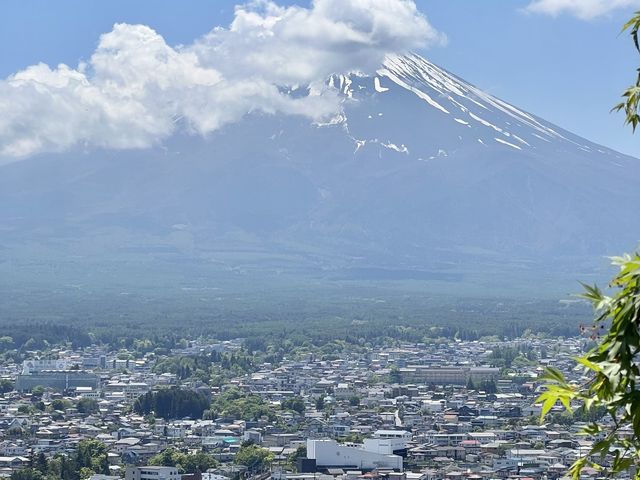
89	458
204	367
520	356
234	404
184	462
172	403
276	331
38	336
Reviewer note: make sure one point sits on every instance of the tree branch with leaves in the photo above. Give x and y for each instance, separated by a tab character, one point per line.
631	103
612	376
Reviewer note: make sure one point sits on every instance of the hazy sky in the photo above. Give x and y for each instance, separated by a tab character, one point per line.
560	59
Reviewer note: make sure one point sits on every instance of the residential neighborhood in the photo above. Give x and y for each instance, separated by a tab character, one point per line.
447	410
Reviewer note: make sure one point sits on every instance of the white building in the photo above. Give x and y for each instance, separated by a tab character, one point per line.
393	434
330	454
388	442
152	473
432	406
214	476
447	375
128	391
36	366
87	392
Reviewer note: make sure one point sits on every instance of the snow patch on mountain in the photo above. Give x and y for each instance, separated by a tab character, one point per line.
504	142
393	146
431	83
419	93
379	88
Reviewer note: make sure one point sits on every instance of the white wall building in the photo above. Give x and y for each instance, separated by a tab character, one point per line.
432	406
35	366
387	442
384	446
391	434
152	473
330	454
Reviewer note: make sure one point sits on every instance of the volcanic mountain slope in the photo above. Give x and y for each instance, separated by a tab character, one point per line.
421	172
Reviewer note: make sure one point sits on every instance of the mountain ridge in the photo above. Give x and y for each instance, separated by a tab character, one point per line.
421	172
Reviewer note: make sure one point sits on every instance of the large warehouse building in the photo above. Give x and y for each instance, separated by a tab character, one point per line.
331	454
57	379
429	374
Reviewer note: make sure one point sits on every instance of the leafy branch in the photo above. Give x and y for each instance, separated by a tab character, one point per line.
631	95
612	372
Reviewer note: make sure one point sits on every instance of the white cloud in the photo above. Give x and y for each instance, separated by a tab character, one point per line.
136	90
583	9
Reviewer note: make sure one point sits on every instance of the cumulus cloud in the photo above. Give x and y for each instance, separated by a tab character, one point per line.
136	90
583	9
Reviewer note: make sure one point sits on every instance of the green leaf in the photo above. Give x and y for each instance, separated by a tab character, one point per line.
591	429
548	400
589	364
554	375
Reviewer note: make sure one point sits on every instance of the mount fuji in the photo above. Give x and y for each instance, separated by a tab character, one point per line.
422	176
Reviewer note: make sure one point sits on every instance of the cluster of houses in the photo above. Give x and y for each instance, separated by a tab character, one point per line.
411	412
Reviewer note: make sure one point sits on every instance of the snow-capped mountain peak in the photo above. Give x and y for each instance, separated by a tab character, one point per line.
421	171
472	113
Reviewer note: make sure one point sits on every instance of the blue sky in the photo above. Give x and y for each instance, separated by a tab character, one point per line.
566	69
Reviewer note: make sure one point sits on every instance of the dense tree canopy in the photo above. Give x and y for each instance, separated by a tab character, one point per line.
172	403
237	405
253	456
295	403
6	386
90	458
184	462
87	405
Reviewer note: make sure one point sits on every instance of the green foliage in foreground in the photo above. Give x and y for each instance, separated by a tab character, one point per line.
631	95
611	378
253	456
184	462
